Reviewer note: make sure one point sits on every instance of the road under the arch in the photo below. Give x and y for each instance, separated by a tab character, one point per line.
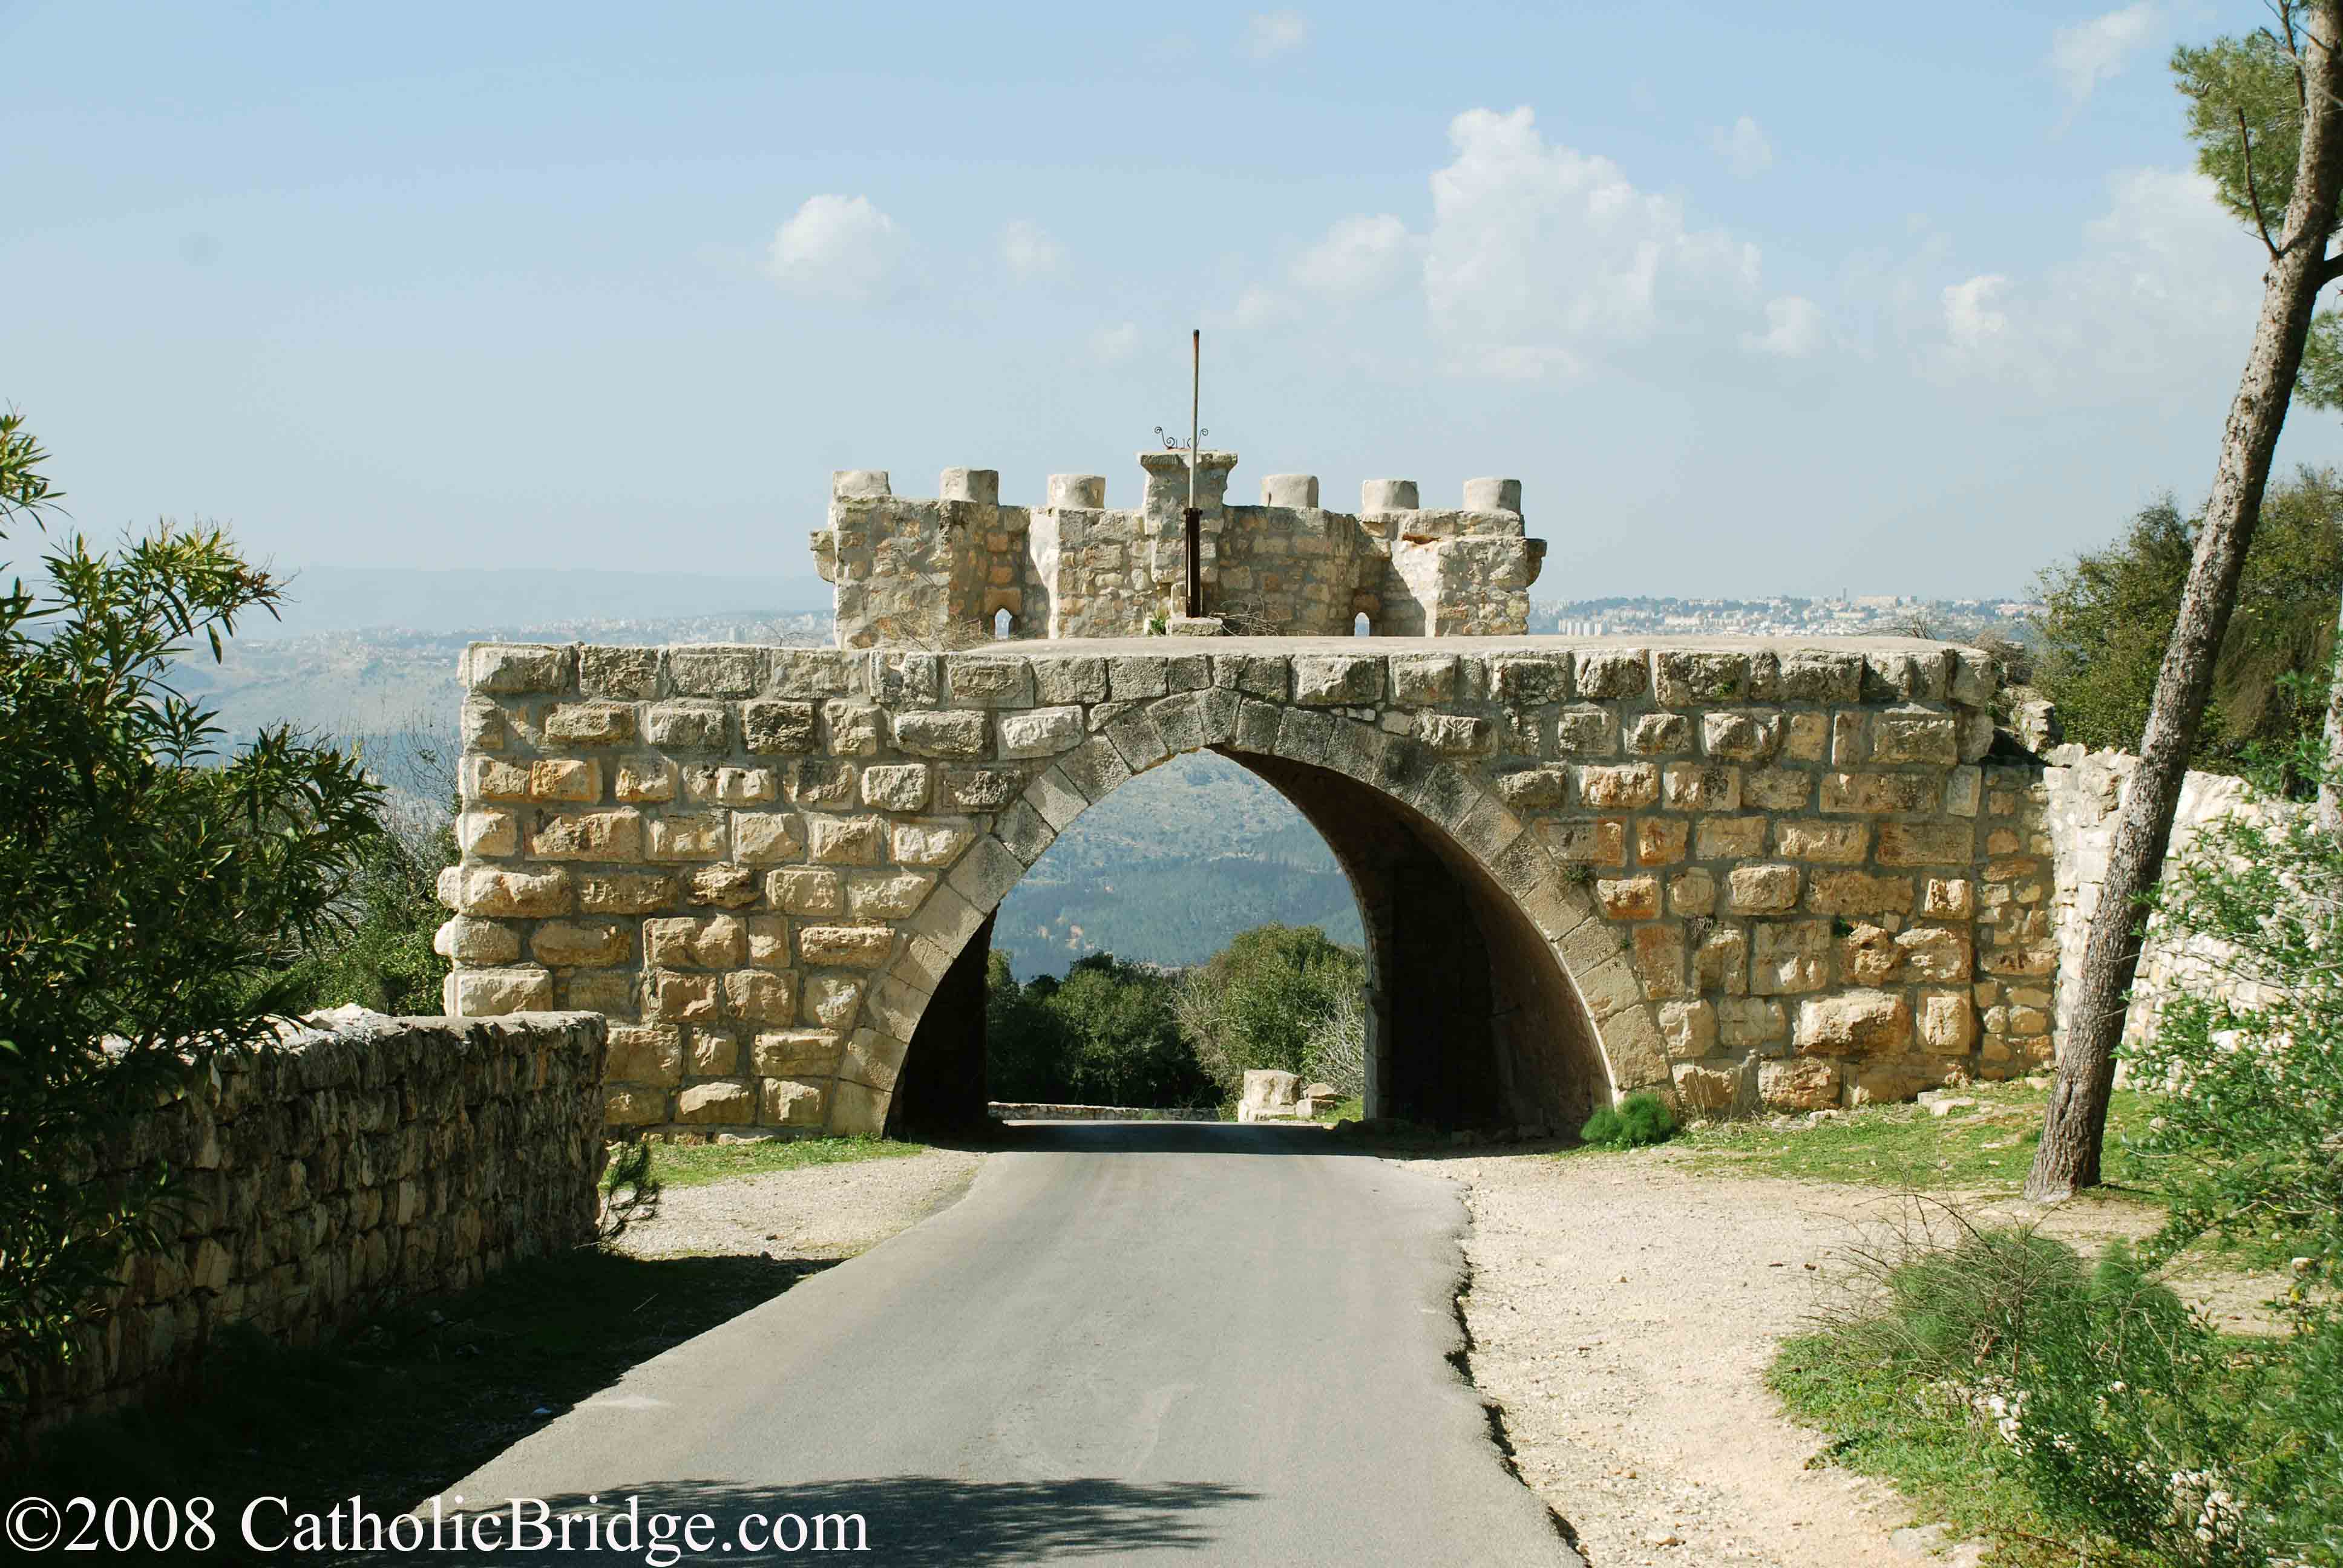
1470	1020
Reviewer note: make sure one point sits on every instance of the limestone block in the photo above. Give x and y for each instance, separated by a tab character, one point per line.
1776	789
503	668
843	840
1740	735
632	1105
641	781
687	725
716	1104
1257	725
1788	956
845	946
1530	679
768	941
1179	722
1097	770
979	681
1081	491
793	1102
896	787
481	993
1762	889
1810	676
1729	837
898	680
1137	677
486	832
1417	679
1534	788
881	895
1853	892
589	836
1043	732
940	734
798	1053
1750	1023
687	836
480	724
852	728
1689	1028
1701	786
1629	898
568	779
1910	735
1619	788
762	995
1660	841
765	838
623	674
570	943
1707	1089
677	998
1134	735
1947	899
1608	675
624	892
1685	679
700	942
982	788
1799	1084
984	875
832	997
807	890
1456	734
1926	843
772	727
1881	792
475	941
1853	1023
1948	1022
1593	841
1071	681
815	672
1934	954
1963	791
1340	680
871	1057
1659	955
1692	892
931	842
589	724
1587	731
716	670
1806	737
714	1053
1834	843
513	895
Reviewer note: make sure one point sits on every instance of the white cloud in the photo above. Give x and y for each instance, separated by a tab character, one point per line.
835	247
1744	148
2095	51
1113	345
1794	329
1028	252
1268	33
2161	293
1359	257
1258	306
1539	255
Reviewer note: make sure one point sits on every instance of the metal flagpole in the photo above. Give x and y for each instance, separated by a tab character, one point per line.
1194	518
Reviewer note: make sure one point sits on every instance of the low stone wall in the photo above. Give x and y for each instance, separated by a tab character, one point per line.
343	1172
2084	790
1026	1110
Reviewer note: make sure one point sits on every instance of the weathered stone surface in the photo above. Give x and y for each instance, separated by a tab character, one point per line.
1800	1083
1853	1023
949	735
773	727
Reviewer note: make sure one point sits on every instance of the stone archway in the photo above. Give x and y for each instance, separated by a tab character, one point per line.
1473	932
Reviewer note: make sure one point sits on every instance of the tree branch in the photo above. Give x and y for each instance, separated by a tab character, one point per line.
2246	139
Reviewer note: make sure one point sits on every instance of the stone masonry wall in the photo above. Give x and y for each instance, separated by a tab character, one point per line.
1775	873
938	573
342	1172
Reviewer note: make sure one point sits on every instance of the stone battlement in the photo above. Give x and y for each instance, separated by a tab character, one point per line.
942	572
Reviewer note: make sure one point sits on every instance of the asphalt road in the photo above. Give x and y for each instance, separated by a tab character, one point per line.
1135	1342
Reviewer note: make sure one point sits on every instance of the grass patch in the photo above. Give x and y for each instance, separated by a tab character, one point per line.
675	1165
409	1405
1350	1110
1984	1148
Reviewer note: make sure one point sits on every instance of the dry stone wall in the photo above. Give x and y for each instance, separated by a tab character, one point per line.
939	573
1775	873
338	1174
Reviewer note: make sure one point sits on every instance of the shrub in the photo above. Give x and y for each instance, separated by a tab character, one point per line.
1637	1121
151	889
1275	997
1105	1035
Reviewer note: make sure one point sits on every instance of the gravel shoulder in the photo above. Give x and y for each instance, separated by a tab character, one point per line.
822	1211
1623	1309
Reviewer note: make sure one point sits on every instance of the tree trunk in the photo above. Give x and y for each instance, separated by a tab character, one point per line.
2076	1123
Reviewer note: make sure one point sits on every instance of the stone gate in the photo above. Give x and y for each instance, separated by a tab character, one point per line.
1742	872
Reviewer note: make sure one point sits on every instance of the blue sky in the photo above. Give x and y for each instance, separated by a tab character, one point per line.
1753	298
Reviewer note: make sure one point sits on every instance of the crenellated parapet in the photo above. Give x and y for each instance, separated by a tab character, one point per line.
962	568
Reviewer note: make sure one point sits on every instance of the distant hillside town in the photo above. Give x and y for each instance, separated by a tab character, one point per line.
1871	615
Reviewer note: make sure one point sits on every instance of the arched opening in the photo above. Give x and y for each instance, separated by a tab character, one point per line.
1004	626
1469	1020
1361	626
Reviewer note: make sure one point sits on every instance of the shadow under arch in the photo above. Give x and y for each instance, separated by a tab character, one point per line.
1474	1016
